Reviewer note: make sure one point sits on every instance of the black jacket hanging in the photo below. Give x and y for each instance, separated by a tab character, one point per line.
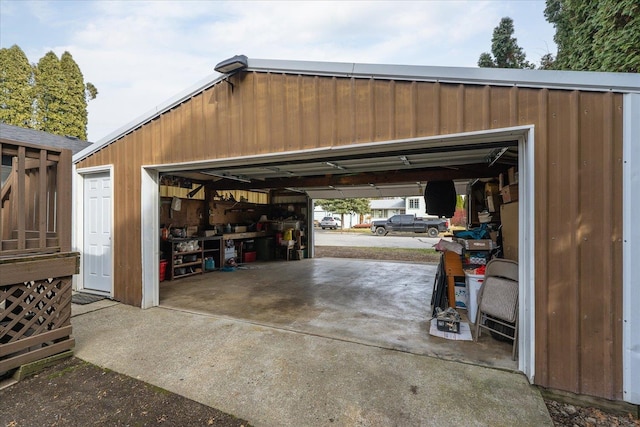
440	198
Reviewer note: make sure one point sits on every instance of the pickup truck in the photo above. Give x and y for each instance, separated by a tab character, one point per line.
409	223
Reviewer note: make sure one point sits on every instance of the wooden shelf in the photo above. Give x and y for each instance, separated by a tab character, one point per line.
207	246
188	253
188	264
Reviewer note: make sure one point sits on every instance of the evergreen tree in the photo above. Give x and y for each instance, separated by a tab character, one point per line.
599	35
16	78
75	117
50	95
505	49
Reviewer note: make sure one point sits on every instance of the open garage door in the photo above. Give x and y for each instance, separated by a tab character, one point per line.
381	169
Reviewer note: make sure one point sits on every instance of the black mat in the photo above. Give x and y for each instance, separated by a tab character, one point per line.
83	299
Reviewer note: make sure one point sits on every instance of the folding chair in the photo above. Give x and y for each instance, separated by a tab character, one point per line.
498	301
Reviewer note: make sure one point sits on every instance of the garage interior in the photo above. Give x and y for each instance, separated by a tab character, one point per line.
250	201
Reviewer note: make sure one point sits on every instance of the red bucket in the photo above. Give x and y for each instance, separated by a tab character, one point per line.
163	269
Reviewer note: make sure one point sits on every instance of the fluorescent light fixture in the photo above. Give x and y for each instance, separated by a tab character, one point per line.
278	170
236	63
495	155
333	165
226	175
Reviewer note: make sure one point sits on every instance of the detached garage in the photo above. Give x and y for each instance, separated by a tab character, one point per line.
281	133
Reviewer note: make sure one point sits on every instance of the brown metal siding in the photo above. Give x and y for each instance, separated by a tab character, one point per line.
578	205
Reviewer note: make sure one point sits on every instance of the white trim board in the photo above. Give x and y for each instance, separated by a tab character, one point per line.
630	249
150	220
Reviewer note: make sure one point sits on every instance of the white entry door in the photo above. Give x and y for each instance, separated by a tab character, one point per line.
97	263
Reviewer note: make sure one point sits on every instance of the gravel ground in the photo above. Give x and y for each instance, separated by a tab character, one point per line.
76	393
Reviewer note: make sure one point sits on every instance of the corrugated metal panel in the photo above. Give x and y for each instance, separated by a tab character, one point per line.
578	180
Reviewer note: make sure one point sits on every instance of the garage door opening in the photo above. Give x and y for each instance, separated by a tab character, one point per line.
300	174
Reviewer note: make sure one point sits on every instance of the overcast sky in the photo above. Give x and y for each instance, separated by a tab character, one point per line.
141	53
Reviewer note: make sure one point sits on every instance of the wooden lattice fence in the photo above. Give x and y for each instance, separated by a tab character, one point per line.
35	307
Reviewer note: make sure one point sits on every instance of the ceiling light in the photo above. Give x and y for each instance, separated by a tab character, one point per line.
236	63
278	170
495	155
226	175
405	160
333	165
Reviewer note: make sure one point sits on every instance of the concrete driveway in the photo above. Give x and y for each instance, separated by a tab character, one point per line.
275	377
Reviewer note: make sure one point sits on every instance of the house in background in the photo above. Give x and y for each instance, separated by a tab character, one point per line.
384	208
36	137
348	220
415	205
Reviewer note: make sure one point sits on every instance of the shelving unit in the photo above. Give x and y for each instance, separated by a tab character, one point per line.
178	268
212	248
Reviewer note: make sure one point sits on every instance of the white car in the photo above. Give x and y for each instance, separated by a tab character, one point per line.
330	222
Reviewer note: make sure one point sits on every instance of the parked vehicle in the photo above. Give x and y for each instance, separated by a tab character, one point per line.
410	223
330	222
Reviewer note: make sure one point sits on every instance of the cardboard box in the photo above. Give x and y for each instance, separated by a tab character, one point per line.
478	245
509	193
209	233
492	196
240	229
512	174
509	215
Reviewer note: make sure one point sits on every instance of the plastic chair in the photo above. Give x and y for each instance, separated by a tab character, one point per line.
498	301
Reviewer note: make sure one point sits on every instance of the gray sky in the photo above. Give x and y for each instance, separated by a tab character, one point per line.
140	53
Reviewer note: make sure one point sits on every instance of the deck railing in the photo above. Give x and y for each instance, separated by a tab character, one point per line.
35	199
36	262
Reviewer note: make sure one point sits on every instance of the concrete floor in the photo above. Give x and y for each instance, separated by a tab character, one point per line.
275	377
376	303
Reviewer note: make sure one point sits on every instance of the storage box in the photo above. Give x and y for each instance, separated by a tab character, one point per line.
474	283
478	257
461	295
446	325
512	175
248	257
492	196
209	233
240	229
294	225
509	193
477	245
